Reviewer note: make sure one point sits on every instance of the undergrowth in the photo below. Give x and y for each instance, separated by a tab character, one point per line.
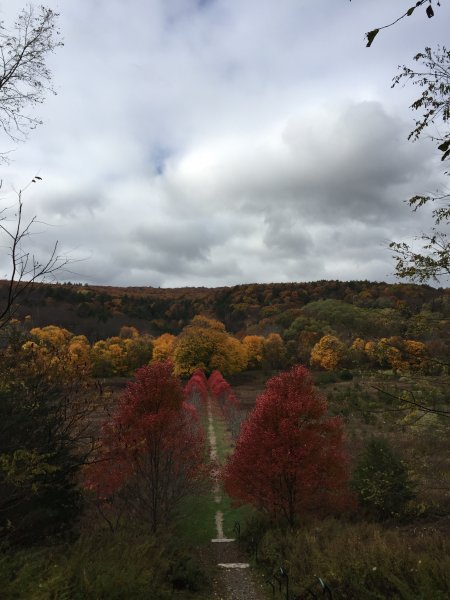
357	560
103	565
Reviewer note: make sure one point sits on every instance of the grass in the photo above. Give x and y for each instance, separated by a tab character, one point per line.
360	560
223	439
233	514
100	565
195	519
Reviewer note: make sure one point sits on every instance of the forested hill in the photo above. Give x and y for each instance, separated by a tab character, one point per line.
346	308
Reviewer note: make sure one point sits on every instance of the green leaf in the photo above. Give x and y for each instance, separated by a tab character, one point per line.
410	11
371	36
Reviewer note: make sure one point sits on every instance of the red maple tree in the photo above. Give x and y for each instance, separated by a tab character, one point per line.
196	389
152	451
289	459
221	391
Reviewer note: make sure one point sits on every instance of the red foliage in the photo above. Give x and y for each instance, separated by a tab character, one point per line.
289	458
152	451
197	385
217	384
221	389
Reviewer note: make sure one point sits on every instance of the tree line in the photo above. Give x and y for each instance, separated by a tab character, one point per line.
205	344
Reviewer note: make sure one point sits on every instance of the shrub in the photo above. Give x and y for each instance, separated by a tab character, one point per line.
346	375
381	481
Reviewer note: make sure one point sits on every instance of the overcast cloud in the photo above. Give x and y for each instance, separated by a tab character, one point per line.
216	142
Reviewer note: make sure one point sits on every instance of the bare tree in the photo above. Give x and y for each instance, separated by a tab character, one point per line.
24	75
25	269
24	81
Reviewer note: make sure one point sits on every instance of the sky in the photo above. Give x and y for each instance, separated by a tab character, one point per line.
218	142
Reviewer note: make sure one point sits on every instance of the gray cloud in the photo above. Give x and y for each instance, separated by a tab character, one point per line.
216	142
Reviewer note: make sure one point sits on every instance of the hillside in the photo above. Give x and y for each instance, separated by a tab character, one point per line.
348	309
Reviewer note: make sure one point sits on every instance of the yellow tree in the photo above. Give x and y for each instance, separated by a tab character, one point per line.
51	335
389	351
357	351
205	344
416	354
116	348
109	357
163	347
327	353
47	402
230	356
254	345
79	349
121	355
370	350
61	346
404	355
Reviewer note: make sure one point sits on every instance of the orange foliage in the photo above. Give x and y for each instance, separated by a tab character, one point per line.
327	353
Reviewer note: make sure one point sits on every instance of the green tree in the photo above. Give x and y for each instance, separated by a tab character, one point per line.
274	352
432	76
381	481
45	405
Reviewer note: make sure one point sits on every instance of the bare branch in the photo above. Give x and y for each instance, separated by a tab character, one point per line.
413	402
371	35
25	268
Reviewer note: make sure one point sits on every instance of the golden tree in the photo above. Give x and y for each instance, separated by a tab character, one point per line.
327	353
205	344
254	345
163	347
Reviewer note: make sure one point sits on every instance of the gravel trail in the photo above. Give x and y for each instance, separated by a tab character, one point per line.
232	577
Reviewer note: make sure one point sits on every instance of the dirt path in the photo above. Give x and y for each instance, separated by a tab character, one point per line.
232	576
